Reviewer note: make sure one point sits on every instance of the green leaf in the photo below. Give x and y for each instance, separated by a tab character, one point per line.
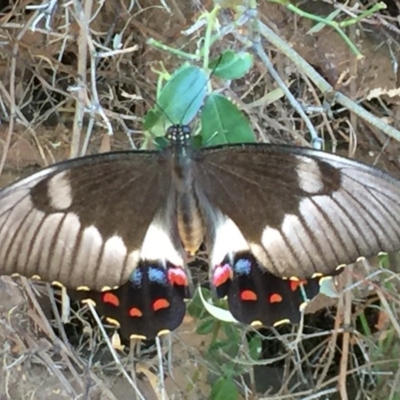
195	307
231	332
224	388
217	312
222	122
227	347
232	65
255	346
179	100
384	260
160	143
206	326
197	141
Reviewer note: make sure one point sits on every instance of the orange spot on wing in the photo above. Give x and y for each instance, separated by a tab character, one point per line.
135	312
160	304
294	285
179	280
248	295
111	298
275	298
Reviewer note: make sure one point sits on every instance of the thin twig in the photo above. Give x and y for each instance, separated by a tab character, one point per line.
113	353
81	87
344	360
322	84
316	141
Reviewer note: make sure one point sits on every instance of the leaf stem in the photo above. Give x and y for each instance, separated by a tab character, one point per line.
177	52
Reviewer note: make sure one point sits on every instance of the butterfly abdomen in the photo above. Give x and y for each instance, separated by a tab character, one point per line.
190	222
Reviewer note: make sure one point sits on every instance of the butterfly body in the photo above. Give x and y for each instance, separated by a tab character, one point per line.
118	227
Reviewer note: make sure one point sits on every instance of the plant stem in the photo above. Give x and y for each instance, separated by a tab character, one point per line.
177	52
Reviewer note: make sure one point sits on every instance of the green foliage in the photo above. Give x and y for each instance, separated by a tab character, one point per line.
222	122
255	347
184	93
224	388
179	101
337	26
229	345
232	65
384	260
195	308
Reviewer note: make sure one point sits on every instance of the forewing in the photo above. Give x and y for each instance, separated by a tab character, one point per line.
82	222
302	211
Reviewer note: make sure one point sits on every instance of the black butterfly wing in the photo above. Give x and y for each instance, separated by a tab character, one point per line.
149	304
82	222
256	297
302	211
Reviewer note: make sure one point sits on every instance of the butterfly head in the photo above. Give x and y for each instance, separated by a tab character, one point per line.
179	135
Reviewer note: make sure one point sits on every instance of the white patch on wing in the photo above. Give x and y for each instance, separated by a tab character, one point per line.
59	191
131	264
302	244
271	238
292	223
259	253
228	239
322	224
64	248
88	255
282	258
42	247
309	175
112	261
157	245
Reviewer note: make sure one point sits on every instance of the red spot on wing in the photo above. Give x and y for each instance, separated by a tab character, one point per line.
160	304
248	295
177	276
275	298
135	312
294	285
111	298
222	274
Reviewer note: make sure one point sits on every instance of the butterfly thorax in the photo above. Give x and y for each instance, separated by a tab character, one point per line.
189	217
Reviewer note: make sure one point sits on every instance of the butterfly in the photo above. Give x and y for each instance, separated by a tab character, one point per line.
117	228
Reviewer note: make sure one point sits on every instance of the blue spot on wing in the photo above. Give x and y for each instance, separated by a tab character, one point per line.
136	277
157	275
243	266
152	273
